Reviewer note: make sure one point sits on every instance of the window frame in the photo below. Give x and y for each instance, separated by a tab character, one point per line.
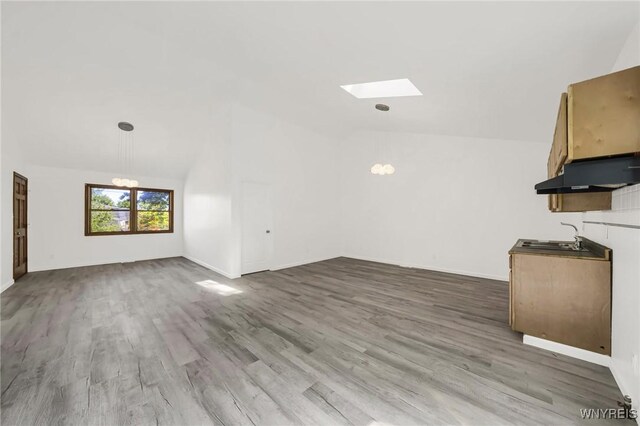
133	210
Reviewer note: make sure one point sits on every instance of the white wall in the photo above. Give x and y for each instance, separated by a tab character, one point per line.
625	311
629	55
301	167
625	242
56	223
455	204
209	232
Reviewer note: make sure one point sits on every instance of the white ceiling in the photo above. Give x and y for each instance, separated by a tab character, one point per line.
72	70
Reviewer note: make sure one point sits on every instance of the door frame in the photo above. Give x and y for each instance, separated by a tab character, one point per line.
269	190
26	228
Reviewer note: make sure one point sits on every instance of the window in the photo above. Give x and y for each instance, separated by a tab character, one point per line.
112	210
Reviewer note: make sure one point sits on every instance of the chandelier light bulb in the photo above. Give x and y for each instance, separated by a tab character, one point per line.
379	169
129	183
388	169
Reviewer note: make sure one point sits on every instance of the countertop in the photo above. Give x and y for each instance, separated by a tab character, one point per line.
594	251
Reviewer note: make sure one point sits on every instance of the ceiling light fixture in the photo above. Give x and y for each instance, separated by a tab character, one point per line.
125	155
383	89
379	169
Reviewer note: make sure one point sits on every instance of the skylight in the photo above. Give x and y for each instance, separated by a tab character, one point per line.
383	89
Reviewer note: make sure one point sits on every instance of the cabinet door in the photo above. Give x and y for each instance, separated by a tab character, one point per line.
557	157
589	201
564	300
604	115
554	203
511	295
558	153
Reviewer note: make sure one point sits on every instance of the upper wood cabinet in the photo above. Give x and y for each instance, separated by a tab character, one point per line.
596	118
557	158
603	116
580	202
558	153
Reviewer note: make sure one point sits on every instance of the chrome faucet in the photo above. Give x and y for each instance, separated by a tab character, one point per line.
577	237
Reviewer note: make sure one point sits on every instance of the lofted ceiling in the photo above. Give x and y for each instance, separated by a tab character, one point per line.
72	70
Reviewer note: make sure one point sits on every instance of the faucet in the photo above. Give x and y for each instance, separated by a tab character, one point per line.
577	237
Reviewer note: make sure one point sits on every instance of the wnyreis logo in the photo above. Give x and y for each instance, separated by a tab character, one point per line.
608	413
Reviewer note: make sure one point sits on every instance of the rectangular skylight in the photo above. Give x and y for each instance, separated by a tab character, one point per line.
383	89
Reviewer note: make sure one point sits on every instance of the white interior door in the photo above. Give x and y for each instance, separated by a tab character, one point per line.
256	227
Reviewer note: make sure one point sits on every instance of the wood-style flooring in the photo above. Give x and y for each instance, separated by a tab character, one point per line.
336	342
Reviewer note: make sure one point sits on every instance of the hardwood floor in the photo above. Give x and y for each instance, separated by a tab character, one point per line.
336	342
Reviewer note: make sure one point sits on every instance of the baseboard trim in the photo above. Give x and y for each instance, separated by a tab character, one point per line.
431	268
623	388
211	267
7	285
567	350
301	263
87	264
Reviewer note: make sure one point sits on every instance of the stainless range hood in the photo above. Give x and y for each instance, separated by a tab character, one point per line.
599	175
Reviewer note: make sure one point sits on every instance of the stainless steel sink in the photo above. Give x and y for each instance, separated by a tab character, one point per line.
550	245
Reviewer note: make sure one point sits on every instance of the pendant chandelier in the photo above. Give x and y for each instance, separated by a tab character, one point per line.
125	156
378	168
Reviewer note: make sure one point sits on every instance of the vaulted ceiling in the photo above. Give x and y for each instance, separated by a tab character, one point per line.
72	70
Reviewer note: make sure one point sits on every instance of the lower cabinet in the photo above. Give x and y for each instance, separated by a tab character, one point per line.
563	299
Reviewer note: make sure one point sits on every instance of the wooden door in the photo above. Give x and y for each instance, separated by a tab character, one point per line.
19	226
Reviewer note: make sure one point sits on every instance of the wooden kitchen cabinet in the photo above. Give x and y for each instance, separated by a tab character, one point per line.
603	116
596	118
561	298
558	154
584	202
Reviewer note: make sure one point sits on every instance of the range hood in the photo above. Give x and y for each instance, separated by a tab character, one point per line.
599	175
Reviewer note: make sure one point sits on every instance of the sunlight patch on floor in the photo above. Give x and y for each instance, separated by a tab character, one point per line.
221	289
